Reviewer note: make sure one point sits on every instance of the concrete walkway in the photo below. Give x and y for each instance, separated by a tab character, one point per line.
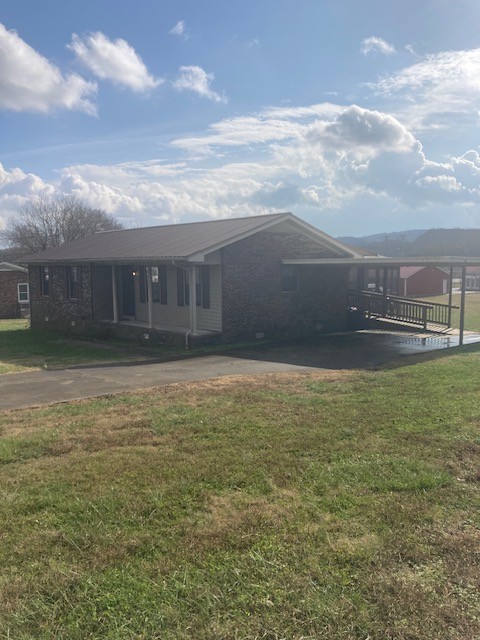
348	351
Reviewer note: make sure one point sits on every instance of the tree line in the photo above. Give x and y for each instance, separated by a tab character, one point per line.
46	222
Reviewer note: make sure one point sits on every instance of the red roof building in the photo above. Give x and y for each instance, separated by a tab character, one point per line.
423	281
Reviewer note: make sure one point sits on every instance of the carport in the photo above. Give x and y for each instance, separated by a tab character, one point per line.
381	303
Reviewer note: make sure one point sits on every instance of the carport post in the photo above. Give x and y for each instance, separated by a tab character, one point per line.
450	293
462	305
385	289
114	294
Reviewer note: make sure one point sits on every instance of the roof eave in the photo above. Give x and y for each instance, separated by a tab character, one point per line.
109	261
366	261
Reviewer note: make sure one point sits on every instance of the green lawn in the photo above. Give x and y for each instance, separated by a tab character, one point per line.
472	309
332	505
22	349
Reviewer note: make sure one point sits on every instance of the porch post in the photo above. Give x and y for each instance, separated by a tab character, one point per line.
192	274
450	298
462	305
150	297
114	294
385	289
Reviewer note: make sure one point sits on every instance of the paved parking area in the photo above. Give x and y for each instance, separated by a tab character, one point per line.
361	350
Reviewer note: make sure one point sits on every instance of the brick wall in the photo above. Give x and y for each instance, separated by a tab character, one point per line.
56	311
253	301
9	307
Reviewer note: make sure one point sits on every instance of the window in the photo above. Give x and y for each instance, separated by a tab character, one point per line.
289	278
183	288
45	281
159	284
143	285
73	282
202	286
23	293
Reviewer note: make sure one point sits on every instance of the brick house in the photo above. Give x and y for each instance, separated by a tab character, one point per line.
14	294
222	279
423	281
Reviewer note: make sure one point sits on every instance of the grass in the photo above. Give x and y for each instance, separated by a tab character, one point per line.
472	309
329	505
22	349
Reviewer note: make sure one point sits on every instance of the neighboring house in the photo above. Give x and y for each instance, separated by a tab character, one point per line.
221	278
14	293
423	281
473	279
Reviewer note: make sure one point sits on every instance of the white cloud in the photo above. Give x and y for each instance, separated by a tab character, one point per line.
441	88
16	188
196	79
238	132
312	165
376	44
179	29
362	131
313	160
113	60
273	124
453	72
29	82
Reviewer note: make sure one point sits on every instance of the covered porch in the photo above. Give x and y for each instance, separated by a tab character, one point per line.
146	299
381	301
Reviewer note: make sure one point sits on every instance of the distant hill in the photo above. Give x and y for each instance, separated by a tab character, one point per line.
420	242
447	242
396	243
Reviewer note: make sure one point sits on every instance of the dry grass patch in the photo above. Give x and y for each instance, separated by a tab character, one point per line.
321	505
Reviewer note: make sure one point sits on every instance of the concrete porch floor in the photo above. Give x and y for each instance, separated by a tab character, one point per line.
170	328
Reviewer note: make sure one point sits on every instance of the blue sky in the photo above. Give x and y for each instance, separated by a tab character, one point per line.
358	116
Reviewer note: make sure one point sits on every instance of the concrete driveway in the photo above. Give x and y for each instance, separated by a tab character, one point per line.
362	350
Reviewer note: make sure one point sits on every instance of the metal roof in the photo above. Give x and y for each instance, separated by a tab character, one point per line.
407	272
190	241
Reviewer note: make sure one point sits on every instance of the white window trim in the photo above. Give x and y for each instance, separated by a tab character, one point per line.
23	284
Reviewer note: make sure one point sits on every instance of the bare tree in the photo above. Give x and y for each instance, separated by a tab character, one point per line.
46	222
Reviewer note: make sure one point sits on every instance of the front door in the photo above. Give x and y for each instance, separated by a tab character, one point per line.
128	291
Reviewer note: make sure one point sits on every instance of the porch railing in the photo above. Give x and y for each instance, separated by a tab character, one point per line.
408	310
